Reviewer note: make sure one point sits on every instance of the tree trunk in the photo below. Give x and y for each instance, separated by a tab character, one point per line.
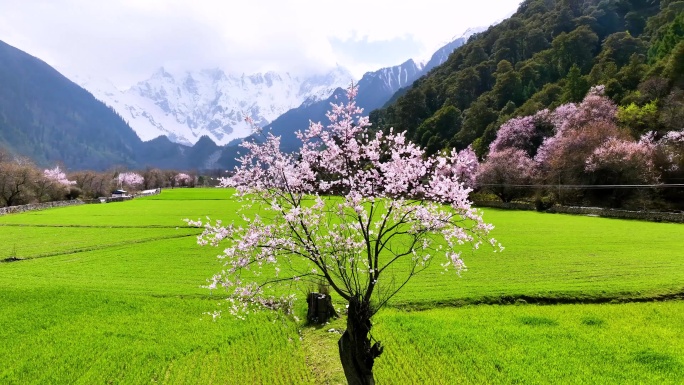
356	353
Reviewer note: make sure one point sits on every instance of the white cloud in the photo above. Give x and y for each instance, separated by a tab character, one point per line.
126	40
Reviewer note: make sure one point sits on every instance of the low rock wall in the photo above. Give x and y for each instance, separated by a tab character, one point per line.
48	205
38	206
654	216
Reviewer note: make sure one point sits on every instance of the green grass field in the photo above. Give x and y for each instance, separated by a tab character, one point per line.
110	293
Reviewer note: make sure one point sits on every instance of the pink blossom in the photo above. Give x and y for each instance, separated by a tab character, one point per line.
669	151
130	179
343	209
57	175
588	123
515	133
620	154
183	179
507	173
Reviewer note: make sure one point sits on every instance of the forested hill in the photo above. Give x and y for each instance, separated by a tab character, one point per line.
45	116
550	52
49	119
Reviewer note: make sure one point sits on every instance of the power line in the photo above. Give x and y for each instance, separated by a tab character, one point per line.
588	186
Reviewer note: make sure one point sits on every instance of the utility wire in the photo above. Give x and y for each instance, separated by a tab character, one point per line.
588	186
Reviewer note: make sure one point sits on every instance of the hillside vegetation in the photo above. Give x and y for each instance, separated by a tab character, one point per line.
548	53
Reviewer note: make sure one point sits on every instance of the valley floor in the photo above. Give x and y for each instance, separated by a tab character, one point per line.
111	294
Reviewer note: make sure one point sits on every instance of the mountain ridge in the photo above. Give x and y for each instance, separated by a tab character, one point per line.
188	105
374	90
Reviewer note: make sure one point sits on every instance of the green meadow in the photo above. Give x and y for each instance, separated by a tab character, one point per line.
110	293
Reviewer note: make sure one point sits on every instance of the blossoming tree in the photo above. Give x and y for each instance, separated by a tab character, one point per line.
130	180
182	179
507	173
363	212
52	184
58	176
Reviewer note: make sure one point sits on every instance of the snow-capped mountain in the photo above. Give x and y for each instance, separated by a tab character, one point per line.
189	105
376	87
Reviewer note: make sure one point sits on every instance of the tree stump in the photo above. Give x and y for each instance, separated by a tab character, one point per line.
320	308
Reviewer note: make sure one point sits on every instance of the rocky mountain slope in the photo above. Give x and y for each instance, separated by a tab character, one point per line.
186	106
375	89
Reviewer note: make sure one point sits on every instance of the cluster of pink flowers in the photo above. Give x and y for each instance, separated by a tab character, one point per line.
183	179
57	175
571	121
131	179
344	210
584	140
669	149
624	156
515	133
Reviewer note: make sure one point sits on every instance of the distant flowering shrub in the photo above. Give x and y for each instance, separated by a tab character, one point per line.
130	179
575	144
183	179
507	173
626	161
57	175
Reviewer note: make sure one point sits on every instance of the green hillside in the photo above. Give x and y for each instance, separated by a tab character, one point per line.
550	52
48	118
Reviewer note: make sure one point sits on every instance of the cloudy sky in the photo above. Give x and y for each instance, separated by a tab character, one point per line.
127	40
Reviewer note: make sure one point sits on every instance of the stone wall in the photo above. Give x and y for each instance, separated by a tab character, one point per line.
507	206
47	205
38	206
654	216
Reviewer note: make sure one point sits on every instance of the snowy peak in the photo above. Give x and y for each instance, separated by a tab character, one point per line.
472	31
186	106
394	78
376	88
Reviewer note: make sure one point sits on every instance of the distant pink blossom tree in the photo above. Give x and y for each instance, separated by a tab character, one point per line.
671	146
629	161
595	107
578	129
549	145
593	118
394	212
58	176
524	133
52	185
622	162
130	180
508	174
668	158
183	179
462	165
515	133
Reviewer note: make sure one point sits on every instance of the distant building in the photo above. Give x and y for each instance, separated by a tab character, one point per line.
119	193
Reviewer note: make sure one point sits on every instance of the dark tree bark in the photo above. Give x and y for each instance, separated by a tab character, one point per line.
356	352
321	309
